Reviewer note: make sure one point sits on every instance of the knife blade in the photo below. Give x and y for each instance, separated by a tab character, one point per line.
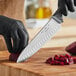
46	33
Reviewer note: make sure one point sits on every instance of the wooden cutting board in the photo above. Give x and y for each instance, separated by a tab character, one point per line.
36	66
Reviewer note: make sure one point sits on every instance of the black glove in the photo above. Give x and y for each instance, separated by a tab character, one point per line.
14	33
63	4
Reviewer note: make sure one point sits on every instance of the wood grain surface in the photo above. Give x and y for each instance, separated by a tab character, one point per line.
35	66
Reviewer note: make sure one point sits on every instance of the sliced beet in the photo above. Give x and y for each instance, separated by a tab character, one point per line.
70	59
13	57
52	63
49	60
66	62
61	63
56	57
71	48
57	62
61	56
67	55
60	60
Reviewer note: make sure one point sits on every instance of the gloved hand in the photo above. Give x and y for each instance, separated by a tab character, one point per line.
66	5
14	33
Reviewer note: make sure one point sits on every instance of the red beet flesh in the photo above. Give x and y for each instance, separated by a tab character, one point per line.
71	48
74	59
60	60
13	57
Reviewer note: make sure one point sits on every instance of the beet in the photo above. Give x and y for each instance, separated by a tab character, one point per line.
13	57
56	62
74	59
68	56
60	60
66	61
52	63
71	48
56	57
61	63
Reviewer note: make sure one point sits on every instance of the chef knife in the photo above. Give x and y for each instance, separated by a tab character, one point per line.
46	33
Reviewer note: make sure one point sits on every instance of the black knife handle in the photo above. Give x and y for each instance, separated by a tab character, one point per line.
58	16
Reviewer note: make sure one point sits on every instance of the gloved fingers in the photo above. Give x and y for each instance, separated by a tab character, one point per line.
9	44
23	39
20	24
64	11
22	27
62	7
70	6
75	2
26	33
16	40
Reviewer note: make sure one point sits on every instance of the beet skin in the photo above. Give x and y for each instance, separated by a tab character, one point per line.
71	48
13	57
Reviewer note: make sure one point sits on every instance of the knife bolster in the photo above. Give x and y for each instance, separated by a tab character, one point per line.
58	16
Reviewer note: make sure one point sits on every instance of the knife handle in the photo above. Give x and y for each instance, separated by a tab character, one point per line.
58	16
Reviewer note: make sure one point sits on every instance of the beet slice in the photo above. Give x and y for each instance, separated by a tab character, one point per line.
56	57
52	62
71	48
61	63
68	56
13	57
48	61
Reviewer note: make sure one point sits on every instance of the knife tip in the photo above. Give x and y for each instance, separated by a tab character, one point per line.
18	61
